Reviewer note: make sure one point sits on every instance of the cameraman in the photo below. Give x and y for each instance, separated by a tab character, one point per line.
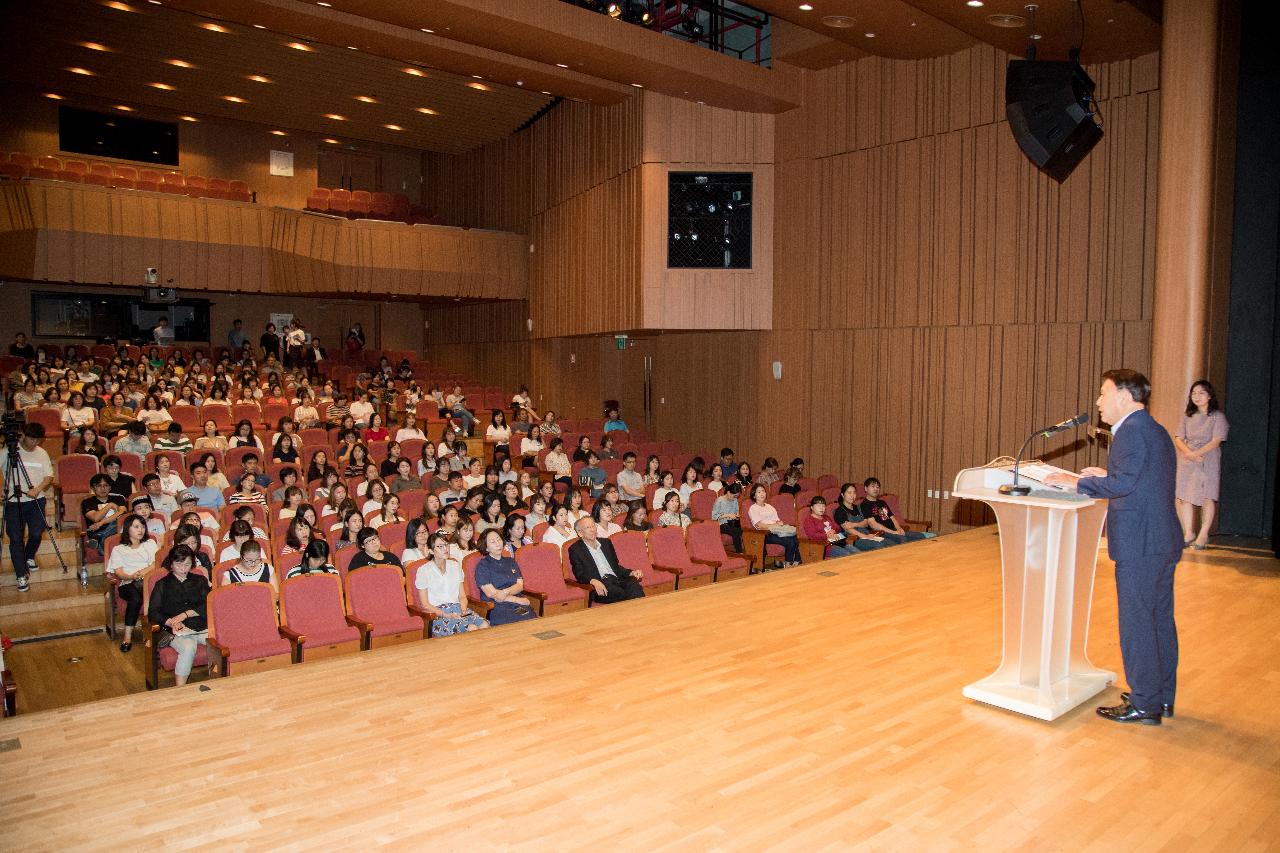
24	499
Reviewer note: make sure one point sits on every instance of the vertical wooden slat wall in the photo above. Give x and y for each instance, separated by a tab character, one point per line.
935	298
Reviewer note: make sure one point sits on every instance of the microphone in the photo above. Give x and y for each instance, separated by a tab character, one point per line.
1017	489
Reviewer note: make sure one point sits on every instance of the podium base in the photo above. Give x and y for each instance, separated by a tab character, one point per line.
1050	704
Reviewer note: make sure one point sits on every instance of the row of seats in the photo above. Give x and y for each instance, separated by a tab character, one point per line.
362	204
19	165
253	626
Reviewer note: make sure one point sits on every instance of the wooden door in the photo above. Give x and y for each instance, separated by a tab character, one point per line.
330	166
348	170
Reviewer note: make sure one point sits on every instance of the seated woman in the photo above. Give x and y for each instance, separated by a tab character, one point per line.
371	553
441	590
689	483
574	502
388	467
491	513
410	429
350	523
252	567
337	497
375	496
768	472
602	514
297	537
248	491
415	542
129	561
727	513
318	467
561	529
376	431
671	516
743	475
77	415
790	482
763	516
557	463
638	519
405	480
500	583
240	532
211	439
90	443
666	485
244	437
427	462
530	446
389	513
170	482
315	560
583	449
607	449
190	536
305	412
177	605
515	535
284	450
115	415
463	540
848	515
500	433
510	495
716	483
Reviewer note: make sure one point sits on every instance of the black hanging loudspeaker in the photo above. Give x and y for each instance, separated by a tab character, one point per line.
1047	104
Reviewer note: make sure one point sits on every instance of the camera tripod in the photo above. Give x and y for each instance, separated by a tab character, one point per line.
15	474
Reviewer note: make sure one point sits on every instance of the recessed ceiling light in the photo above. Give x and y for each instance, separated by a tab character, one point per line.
416	72
638	85
331	141
51	96
322	3
546	93
278	133
476	77
480	87
427	30
806	7
335	117
977	4
164	87
188	118
118	6
258	78
93	45
122	108
233	99
179	63
297	45
1008	22
259	27
1035	37
352	47
870	35
155	2
839	22
393	127
214	28
427	111
84	72
561	65
366	99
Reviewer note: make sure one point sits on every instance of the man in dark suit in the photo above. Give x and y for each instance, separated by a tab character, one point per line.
1144	540
594	561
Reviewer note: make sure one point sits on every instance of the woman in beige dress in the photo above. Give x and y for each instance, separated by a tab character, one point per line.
1201	432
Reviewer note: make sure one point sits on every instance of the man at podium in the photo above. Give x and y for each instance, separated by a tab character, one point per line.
1145	541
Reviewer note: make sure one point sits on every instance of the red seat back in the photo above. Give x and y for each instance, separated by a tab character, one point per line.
540	565
74	472
376	594
700	503
786	507
705	542
667	548
312	606
242	617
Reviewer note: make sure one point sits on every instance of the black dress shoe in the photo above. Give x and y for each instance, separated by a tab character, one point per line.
1126	713
124	647
1165	710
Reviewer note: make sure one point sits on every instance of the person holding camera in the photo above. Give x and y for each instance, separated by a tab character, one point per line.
27	477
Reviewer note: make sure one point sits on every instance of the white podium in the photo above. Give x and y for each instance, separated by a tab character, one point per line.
1049	551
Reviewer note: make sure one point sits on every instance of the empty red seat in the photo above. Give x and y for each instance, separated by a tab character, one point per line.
400	207
382	205
217	188
26	161
195	185
173	183
668	552
74	170
318	199
706	546
99	174
12	170
544	580
360	203
244	629
312	615
339	202
46	167
124	177
633	553
376	605
148	179
239	191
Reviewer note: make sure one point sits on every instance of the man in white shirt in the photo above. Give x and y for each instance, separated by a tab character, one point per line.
25	489
594	562
163	332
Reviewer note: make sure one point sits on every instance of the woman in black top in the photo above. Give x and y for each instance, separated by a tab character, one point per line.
584	449
178	609
315	560
791	482
371	553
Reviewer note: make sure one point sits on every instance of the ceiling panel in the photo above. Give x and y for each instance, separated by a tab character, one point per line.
297	88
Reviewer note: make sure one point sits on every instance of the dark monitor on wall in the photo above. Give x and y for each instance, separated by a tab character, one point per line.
121	137
709	220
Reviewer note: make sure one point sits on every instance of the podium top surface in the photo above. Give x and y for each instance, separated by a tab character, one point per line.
983	484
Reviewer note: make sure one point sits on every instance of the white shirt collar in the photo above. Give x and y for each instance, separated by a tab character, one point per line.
1116	426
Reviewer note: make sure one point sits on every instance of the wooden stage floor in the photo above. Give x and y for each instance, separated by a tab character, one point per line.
788	711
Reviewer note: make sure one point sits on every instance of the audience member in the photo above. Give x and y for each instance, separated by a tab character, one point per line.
593	561
128	561
498	578
441	590
25	496
881	517
178	607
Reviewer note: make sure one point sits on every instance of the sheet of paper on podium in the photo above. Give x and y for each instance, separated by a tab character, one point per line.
1038	471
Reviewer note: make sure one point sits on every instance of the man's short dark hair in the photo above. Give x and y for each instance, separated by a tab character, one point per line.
33	430
136	428
148	479
247	457
175	427
869	481
98	479
628	455
286	471
109	459
1138	386
818	499
453	474
197	464
726	451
